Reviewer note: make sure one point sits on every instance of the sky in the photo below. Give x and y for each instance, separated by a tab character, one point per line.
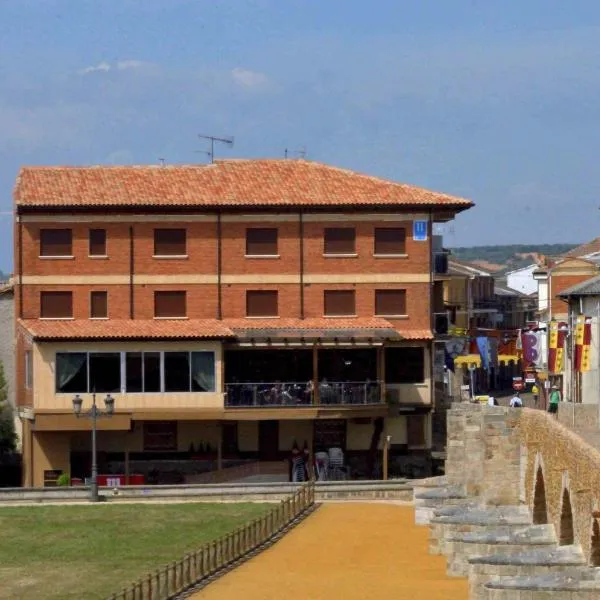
493	100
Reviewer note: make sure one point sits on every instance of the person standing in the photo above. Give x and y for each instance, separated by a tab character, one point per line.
554	400
536	394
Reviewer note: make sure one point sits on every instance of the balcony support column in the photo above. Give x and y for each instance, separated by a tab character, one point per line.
315	370
381	372
219	446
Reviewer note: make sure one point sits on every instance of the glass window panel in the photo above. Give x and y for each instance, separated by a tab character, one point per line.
177	371
203	372
152	371
105	372
133	371
71	372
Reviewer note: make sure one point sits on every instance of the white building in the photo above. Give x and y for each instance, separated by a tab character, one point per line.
522	280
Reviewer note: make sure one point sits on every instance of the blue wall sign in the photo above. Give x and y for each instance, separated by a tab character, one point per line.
420	231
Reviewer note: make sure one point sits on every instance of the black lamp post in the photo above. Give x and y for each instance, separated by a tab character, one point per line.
94	414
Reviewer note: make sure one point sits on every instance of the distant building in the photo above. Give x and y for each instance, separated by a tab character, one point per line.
522	280
7	340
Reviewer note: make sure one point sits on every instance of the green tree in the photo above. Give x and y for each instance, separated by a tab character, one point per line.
8	436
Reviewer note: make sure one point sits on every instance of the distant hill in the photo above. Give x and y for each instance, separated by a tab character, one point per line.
500	259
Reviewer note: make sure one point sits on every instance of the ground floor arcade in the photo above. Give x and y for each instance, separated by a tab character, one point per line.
180	451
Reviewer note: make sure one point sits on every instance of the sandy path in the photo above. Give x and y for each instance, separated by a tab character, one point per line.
346	552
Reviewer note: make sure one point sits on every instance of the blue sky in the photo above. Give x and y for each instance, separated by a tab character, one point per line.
495	100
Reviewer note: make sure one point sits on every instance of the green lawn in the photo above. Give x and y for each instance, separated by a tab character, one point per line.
90	551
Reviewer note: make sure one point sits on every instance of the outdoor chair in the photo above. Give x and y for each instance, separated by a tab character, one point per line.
321	465
337	469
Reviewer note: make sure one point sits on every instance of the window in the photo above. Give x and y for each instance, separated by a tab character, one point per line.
203	372
170	242
390	240
56	242
405	365
177	371
261	303
261	241
390	303
71	372
28	370
104	372
142	372
56	305
340	240
97	245
168	305
339	303
99	305
160	435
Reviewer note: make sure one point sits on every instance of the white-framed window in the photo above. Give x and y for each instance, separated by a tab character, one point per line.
135	372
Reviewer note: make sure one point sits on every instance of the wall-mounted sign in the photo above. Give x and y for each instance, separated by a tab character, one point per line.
420	231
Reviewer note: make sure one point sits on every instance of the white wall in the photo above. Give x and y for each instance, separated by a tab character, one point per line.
522	280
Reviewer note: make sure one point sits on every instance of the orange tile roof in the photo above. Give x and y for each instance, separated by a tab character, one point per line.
233	183
200	328
123	329
585	249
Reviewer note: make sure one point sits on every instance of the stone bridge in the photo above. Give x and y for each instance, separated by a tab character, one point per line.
518	509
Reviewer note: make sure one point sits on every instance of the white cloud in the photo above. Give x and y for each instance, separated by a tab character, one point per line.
103	66
121	65
249	79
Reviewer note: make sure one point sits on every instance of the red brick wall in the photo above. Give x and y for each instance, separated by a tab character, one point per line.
560	283
23	397
202	260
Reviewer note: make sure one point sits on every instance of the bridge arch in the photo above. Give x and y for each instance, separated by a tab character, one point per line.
566	533
540	504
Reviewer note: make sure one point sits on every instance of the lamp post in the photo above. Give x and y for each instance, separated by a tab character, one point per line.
386	450
94	414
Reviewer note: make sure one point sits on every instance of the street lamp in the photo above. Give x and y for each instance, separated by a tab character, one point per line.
94	414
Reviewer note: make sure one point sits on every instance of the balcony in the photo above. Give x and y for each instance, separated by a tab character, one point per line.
290	394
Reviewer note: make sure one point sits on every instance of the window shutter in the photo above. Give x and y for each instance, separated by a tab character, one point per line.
97	242
99	305
262	303
170	242
56	305
390	240
261	241
340	303
390	302
56	242
340	240
170	304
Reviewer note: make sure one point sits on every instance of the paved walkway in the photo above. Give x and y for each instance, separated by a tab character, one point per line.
346	552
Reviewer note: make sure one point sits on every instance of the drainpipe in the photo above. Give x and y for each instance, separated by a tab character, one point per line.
219	268
131	270
301	235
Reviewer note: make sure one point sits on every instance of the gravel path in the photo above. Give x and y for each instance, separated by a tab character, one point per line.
346	551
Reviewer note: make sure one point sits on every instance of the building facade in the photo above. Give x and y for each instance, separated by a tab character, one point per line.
233	309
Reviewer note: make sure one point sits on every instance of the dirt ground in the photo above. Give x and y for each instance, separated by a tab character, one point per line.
346	552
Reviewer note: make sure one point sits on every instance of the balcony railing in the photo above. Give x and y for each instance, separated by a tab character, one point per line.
288	394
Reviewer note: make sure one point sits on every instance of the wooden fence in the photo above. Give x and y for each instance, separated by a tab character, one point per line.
169	581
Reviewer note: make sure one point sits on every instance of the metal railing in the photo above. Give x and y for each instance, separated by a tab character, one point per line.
176	577
290	394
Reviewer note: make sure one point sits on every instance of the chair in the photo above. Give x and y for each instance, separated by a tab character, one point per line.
321	465
337	469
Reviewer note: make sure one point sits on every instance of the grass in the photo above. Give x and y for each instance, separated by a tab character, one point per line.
74	552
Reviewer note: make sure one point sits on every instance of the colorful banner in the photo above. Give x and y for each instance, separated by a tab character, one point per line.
552	345
559	364
484	352
579	334
531	348
587	345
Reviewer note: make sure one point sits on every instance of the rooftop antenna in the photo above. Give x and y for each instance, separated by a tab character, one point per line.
301	152
162	161
212	139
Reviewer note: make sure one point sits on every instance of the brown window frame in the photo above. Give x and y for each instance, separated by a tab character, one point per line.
259	314
329	296
96	293
380	294
379	245
67	251
161	249
92	250
162	295
253	246
45	297
339	246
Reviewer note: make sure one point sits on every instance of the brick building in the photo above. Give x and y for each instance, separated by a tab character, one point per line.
235	307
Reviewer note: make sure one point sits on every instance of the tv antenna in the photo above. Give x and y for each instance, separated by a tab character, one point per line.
162	161
212	139
301	152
